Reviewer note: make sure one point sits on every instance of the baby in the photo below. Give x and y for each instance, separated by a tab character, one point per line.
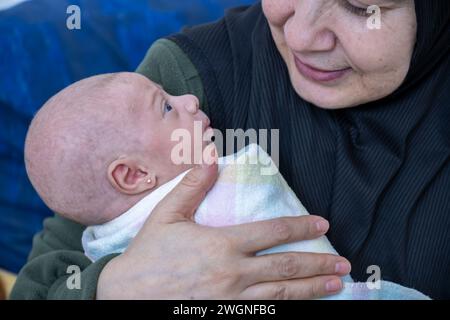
102	144
100	152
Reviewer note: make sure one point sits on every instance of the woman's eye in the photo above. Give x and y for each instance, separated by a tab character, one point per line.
167	107
354	9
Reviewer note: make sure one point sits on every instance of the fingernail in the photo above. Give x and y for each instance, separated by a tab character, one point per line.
322	226
343	268
333	285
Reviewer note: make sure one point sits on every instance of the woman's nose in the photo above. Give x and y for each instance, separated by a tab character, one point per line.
307	30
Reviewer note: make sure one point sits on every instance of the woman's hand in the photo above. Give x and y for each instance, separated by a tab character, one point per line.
174	258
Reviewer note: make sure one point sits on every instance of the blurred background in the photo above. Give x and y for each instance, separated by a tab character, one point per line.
39	56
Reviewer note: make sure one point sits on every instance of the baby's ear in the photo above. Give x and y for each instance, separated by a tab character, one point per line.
128	176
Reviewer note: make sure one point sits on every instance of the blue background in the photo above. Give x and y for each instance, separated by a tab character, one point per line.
39	56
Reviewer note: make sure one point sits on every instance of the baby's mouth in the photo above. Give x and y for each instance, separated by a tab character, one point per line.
208	134
206	123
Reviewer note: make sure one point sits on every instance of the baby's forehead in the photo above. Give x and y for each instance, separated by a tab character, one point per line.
138	79
137	92
141	83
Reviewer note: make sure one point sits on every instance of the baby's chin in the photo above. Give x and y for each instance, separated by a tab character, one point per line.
206	150
207	139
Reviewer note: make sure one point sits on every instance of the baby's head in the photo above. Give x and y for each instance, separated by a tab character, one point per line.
100	145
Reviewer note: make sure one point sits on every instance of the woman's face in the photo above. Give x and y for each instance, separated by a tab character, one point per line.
334	59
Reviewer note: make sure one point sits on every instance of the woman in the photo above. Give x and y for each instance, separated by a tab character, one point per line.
364	143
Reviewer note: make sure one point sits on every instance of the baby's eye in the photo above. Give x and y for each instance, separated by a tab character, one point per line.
167	107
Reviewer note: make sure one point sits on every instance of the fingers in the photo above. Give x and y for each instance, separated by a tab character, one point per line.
182	202
257	236
310	288
293	265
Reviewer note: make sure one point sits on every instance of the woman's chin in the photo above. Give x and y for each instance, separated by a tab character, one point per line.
322	100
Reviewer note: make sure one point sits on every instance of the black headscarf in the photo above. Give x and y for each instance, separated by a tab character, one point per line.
380	172
433	39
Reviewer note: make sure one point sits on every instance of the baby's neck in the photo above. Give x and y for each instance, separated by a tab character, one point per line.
122	204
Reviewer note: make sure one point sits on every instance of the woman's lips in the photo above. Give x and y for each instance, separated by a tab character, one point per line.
317	74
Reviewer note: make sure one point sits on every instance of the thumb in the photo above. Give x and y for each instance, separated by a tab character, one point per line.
182	202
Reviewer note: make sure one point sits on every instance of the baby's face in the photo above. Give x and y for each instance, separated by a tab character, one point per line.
173	128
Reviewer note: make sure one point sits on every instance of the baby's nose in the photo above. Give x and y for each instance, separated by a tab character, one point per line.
192	104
